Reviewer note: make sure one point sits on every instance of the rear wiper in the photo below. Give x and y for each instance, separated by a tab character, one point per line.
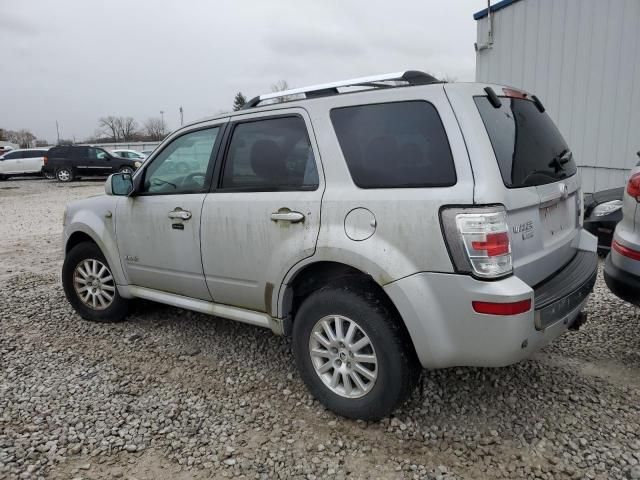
561	159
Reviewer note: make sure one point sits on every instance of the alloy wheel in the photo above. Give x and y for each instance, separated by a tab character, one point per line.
343	356
94	284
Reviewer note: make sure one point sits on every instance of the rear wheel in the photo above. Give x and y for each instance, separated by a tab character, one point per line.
64	174
3	177
49	175
353	353
89	285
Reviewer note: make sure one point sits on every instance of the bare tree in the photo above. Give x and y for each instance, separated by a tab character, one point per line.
22	137
109	127
154	128
281	86
126	127
41	142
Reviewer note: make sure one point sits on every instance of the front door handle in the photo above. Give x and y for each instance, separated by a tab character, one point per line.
180	213
287	216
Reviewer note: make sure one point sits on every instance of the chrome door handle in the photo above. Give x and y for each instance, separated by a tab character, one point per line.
181	214
293	217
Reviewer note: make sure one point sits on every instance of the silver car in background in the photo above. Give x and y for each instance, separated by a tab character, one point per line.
622	266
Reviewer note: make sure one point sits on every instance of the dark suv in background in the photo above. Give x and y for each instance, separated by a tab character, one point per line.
70	162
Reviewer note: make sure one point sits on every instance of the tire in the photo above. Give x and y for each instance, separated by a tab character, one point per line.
64	174
75	282
3	177
396	367
49	175
128	170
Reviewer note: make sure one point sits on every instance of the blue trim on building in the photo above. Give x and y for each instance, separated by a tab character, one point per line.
494	8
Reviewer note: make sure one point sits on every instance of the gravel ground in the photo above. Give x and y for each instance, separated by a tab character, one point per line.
172	394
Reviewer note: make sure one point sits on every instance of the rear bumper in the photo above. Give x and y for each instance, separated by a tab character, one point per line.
623	284
446	331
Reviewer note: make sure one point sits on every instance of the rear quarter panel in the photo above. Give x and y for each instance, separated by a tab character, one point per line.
407	237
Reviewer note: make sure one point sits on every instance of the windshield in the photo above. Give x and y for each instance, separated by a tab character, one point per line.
528	146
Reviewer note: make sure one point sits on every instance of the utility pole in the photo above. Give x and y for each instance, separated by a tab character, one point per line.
58	132
181	116
162	119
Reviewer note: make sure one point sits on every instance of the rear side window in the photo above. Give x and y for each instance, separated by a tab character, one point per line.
58	152
528	146
271	154
395	145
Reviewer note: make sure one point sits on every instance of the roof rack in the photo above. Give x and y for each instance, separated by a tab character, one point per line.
412	77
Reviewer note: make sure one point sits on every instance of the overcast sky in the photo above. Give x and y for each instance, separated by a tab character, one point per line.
76	61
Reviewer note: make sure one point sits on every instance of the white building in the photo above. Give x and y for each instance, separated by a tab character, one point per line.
582	59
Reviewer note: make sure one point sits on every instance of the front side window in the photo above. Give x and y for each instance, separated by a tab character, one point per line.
98	153
271	154
12	155
183	165
394	145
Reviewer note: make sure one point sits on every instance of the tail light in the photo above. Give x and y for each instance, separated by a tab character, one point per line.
633	186
45	159
478	240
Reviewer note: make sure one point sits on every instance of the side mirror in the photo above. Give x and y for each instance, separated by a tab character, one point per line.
119	184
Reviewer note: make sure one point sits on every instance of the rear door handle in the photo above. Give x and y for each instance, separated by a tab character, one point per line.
293	217
181	214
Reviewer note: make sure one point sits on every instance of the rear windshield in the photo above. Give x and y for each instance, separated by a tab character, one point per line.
528	146
394	145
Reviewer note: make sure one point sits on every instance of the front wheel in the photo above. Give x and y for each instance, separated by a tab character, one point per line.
128	170
64	174
353	353
89	285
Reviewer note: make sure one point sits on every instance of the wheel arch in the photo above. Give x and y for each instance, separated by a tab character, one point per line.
77	233
313	276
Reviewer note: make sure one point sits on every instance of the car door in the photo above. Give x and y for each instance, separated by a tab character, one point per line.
264	214
79	160
11	163
32	161
100	161
158	229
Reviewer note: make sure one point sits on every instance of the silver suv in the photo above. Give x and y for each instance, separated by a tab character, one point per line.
622	266
385	223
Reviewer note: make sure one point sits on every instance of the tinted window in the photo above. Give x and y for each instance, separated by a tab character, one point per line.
394	145
271	154
79	152
12	155
528	146
183	165
58	152
33	153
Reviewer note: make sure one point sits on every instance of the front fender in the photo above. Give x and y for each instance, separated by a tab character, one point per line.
100	227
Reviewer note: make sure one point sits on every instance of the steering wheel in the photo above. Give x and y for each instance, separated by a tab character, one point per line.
189	179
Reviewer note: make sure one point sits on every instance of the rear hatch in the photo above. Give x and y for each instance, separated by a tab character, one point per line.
520	160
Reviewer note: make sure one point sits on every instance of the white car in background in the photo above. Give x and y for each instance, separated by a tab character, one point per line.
132	154
27	161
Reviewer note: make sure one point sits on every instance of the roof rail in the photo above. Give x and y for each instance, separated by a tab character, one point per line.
412	77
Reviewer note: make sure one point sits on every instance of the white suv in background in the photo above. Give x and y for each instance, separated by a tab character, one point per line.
386	223
28	161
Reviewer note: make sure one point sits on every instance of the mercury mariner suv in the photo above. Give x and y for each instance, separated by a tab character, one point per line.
385	223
